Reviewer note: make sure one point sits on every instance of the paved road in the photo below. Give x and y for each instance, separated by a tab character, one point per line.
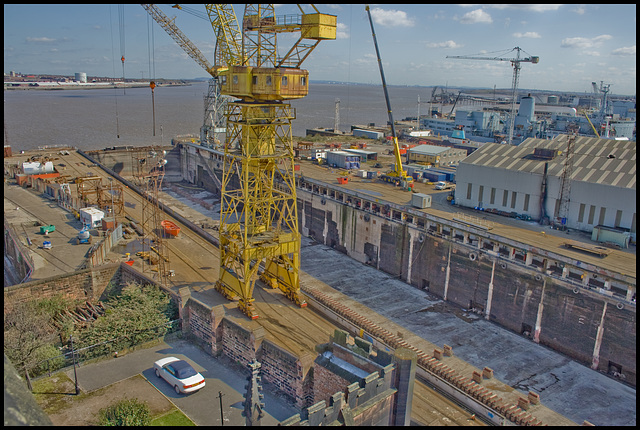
203	406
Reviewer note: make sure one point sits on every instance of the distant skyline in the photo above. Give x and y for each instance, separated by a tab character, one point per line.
577	44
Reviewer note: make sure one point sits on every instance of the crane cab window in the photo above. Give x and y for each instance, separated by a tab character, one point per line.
268	79
303	81
285	81
255	80
235	79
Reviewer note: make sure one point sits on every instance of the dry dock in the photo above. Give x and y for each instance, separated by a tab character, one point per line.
407	314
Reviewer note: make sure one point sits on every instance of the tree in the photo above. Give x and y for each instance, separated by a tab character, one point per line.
130	318
127	412
27	329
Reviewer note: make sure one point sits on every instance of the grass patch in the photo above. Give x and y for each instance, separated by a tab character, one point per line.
172	418
55	393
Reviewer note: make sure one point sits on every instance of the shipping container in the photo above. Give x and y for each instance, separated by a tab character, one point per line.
344	160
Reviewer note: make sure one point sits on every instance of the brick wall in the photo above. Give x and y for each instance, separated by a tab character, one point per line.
285	371
326	383
87	284
240	344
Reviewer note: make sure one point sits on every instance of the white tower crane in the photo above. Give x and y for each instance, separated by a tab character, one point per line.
516	74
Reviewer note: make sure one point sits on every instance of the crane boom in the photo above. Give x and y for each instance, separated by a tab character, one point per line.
183	41
398	171
514	85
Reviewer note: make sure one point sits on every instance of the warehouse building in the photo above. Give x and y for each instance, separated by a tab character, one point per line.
599	188
436	155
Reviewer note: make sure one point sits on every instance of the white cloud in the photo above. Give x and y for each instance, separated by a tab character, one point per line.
449	44
584	42
40	40
342	31
475	17
391	18
630	50
527	7
528	34
580	9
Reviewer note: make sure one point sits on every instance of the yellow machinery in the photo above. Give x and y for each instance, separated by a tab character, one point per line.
591	124
397	175
258	215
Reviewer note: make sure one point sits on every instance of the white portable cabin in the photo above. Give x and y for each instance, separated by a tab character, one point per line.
91	217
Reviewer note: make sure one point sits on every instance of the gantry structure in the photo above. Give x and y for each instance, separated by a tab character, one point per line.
259	234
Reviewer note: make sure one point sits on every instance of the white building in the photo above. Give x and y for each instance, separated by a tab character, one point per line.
509	178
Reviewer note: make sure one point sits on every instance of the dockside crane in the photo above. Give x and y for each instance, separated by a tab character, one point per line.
397	175
516	63
258	215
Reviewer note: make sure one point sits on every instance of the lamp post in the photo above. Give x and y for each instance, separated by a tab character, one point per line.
73	356
221	412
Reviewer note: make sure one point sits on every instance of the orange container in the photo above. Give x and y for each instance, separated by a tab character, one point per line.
343	180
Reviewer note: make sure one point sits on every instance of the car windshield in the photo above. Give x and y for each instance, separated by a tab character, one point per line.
183	369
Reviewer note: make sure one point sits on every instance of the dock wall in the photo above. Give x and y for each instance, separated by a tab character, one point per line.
546	298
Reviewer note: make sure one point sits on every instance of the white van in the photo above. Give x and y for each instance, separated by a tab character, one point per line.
440	185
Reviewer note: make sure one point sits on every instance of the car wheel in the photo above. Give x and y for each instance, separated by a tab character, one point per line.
177	389
157	373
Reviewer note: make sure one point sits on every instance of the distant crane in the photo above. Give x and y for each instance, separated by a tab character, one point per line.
398	175
516	74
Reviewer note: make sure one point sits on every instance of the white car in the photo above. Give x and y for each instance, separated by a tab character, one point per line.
179	374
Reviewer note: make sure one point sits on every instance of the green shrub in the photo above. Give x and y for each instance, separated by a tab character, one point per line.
127	412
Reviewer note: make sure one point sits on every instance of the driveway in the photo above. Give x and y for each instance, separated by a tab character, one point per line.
203	406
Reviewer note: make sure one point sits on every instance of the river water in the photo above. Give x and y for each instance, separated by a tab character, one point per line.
95	119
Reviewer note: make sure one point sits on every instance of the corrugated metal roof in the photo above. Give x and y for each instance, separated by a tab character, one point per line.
431	149
601	161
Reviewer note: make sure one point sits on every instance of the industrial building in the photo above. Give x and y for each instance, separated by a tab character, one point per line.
593	184
436	155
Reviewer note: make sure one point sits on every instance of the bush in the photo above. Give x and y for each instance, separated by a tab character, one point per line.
127	412
42	354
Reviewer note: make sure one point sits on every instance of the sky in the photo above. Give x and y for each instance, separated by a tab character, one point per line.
577	43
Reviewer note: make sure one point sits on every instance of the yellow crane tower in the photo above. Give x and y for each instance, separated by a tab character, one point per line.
515	62
258	215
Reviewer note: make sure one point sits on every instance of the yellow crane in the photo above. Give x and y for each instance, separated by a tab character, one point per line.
515	62
397	175
258	215
591	124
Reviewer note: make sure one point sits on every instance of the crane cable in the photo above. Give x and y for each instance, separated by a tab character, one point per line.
122	44
115	89
152	84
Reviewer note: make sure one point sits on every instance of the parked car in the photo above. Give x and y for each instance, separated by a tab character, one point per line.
179	374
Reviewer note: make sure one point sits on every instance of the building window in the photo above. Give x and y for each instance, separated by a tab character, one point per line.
505	197
469	191
480	193
513	199
618	218
581	212
603	211
526	203
493	196
592	213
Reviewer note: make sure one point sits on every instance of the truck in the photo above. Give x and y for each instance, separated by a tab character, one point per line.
441	185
